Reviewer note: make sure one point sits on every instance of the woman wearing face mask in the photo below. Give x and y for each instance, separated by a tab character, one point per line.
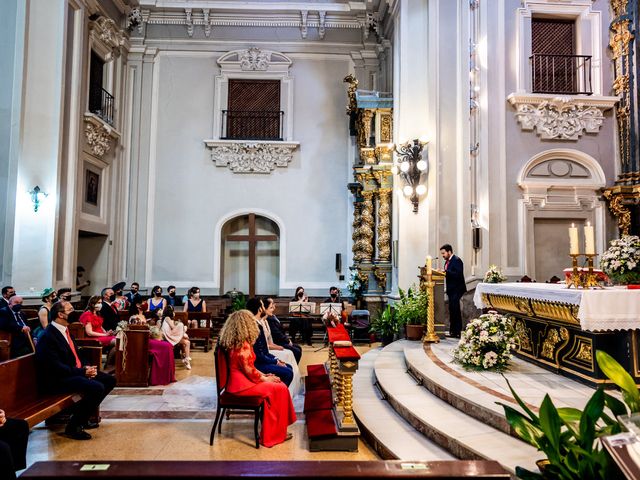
136	312
302	323
92	322
120	302
175	332
49	297
194	304
157	301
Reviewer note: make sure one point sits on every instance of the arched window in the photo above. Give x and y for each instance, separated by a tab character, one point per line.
250	255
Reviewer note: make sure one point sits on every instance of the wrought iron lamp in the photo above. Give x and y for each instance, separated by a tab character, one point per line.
411	168
36	197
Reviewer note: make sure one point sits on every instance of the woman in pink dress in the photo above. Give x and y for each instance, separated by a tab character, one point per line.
237	336
92	322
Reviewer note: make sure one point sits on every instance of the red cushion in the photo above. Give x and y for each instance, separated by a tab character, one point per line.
227	399
317	369
317	382
318	400
320	423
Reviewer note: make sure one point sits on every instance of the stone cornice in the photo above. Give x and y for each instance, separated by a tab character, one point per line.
351	6
556	117
249	156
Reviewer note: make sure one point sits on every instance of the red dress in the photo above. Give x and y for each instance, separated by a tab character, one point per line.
244	380
96	326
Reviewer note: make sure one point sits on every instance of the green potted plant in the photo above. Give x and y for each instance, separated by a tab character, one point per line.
411	311
386	325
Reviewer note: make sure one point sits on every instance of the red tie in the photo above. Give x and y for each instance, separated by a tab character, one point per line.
73	349
446	265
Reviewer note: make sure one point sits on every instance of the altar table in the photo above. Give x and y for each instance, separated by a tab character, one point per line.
560	328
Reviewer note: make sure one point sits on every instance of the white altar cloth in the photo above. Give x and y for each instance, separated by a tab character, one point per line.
613	308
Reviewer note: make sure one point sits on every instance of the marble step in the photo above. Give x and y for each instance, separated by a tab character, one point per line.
462	435
386	431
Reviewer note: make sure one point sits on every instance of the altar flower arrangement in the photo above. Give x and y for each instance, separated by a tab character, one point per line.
354	285
494	275
621	262
486	343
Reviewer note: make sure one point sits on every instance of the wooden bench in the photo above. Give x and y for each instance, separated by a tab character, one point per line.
203	333
19	395
240	470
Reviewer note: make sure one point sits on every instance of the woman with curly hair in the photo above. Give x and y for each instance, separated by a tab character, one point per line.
239	332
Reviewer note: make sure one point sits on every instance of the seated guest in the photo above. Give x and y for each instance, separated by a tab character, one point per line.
239	332
278	335
121	303
136	312
175	332
93	323
109	315
156	302
194	304
14	435
60	371
171	297
301	323
133	293
64	294
163	365
12	320
265	361
7	293
49	297
334	296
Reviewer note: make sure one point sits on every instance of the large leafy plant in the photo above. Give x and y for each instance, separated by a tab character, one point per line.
239	302
386	324
568	436
411	309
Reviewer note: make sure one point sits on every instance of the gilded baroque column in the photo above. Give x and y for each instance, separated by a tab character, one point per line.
364	231
355	236
384	224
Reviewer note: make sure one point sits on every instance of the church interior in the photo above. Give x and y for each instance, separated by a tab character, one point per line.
244	237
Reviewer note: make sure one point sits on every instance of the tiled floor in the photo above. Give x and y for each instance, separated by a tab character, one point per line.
173	423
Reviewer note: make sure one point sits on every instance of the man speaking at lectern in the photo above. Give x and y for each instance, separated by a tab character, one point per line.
456	286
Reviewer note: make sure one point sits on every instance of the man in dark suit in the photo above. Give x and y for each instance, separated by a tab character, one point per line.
61	371
456	286
14	434
266	362
7	293
133	295
109	315
12	320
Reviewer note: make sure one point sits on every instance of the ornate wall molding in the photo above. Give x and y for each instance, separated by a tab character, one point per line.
105	32
98	135
560	118
242	156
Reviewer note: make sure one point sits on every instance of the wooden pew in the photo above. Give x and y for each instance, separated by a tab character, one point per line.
19	395
203	333
132	363
241	470
5	346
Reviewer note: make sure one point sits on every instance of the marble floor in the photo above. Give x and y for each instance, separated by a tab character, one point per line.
173	422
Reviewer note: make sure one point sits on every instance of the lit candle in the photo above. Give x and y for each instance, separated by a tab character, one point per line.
429	266
589	240
574	248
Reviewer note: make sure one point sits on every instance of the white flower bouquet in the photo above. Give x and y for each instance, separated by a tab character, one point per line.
354	285
621	262
494	275
486	343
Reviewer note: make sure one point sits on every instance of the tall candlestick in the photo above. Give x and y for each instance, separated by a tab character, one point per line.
574	247
429	266
589	240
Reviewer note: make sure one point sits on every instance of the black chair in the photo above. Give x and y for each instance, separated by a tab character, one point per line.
229	401
359	326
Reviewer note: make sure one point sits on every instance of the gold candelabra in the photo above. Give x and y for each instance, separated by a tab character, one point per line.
579	278
430	336
574	279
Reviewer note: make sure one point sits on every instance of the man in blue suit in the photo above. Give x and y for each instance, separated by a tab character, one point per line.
456	286
266	362
61	371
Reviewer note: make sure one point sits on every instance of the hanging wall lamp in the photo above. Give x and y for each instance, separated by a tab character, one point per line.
411	168
37	196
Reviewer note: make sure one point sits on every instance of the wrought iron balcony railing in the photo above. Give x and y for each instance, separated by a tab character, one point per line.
252	125
561	74
101	103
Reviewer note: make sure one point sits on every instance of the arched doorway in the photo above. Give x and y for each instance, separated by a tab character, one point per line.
250	255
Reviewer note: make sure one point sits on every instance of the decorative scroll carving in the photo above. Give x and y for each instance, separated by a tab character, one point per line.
249	157
523	336
364	278
207	23
351	92
368	155
188	21
560	119
363	127
619	7
619	210
585	353
381	277
253	59
363	234
386	128
304	30
98	139
384	224
321	24
553	338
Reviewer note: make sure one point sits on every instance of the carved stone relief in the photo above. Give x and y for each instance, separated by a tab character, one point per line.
260	157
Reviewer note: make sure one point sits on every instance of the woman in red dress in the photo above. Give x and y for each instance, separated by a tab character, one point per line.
237	337
92	322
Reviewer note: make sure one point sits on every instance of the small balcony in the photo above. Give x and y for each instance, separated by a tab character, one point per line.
101	104
252	125
561	74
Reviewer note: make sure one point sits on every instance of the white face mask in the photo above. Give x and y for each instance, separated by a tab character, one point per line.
98	305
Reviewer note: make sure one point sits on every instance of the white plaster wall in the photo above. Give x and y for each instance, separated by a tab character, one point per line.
190	197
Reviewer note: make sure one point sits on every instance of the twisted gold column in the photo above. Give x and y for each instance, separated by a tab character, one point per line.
364	232
384	224
347	399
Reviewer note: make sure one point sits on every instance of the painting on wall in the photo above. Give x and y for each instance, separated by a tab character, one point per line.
92	197
92	185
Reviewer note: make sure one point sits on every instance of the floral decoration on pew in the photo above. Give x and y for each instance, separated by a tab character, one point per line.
494	275
621	262
486	343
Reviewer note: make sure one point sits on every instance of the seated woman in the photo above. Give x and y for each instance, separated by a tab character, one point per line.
157	301
239	332
175	332
136	312
194	304
49	297
92	322
278	335
121	303
301	323
163	365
